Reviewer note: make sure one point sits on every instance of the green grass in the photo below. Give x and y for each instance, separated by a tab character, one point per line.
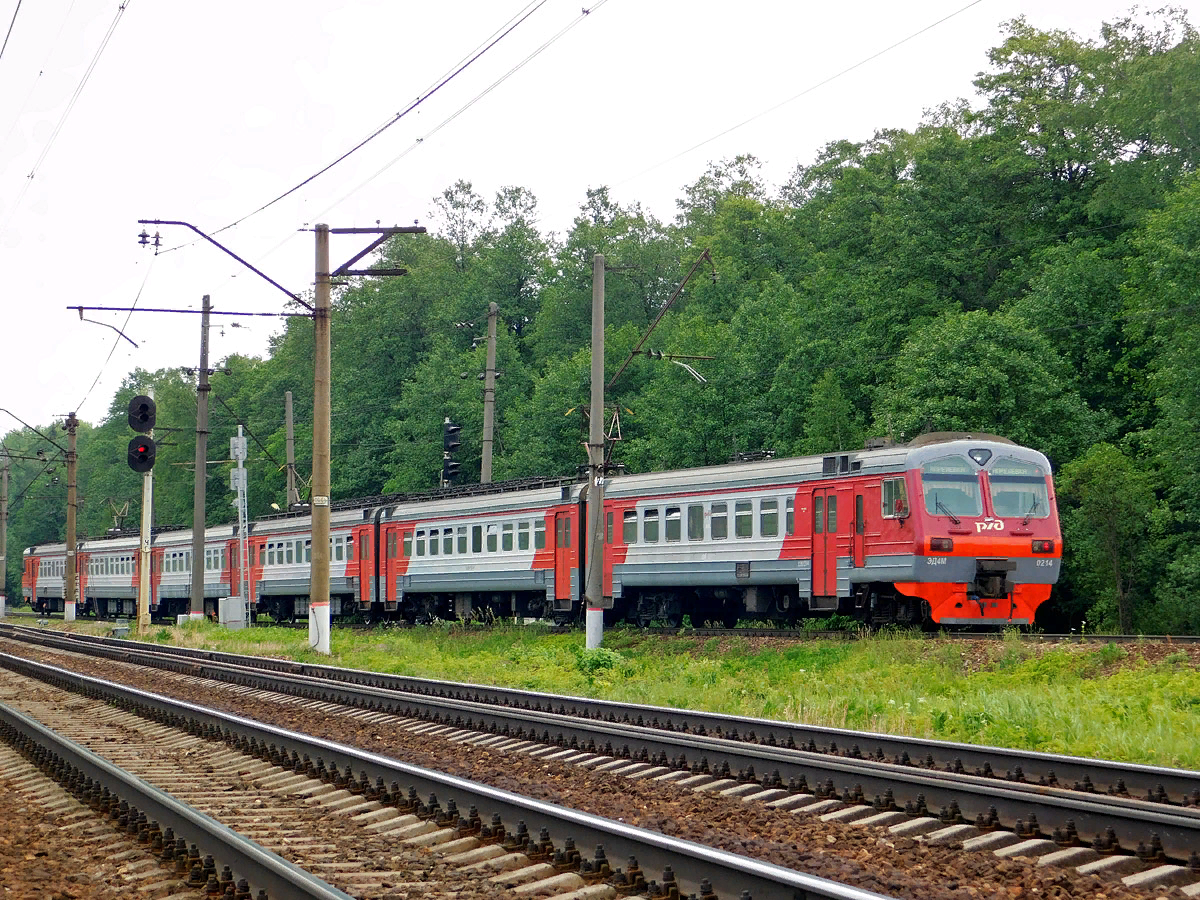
1104	702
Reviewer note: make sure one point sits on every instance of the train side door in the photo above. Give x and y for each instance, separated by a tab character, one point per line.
562	555
858	536
824	549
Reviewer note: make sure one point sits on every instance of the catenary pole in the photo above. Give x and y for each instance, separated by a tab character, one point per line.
489	396
318	611
71	593
3	533
594	589
201	483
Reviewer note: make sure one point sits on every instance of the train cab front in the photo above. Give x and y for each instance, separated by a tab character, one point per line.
987	541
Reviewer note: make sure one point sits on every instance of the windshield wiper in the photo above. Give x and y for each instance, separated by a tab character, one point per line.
1032	510
938	504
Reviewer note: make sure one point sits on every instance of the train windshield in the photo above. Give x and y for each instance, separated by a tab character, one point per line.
951	487
1019	489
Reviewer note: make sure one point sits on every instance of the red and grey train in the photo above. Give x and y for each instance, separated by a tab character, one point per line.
949	529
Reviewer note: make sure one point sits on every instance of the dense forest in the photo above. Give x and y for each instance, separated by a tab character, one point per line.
1026	263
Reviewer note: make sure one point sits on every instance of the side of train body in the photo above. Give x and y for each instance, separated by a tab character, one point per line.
953	530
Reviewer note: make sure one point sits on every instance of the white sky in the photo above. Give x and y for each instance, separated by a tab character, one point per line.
202	112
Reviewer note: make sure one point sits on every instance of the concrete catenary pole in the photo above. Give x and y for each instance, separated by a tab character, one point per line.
594	589
3	534
318	611
489	396
71	591
201	483
293	496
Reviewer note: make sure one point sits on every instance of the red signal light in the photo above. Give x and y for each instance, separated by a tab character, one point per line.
1043	546
941	544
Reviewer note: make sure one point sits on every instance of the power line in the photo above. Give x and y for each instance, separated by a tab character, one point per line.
807	90
70	106
462	109
4	46
454	72
33	87
117	339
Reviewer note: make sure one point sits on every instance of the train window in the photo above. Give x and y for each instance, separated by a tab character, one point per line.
629	528
522	535
696	522
831	515
476	538
307	551
608	528
339	549
262	556
951	487
391	545
719	526
447	541
673	524
289	553
506	538
539	534
895	498
567	531
789	516
743	519
421	543
1018	489
650	526
491	539
350	547
818	514
768	518
859	525
433	541
462	538
407	544
363	549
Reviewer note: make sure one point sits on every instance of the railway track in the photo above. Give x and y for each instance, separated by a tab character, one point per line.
1034	819
368	834
797	634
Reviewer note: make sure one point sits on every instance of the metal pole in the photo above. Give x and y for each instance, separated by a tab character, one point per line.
201	481
318	610
4	534
293	496
594	585
143	608
71	593
489	396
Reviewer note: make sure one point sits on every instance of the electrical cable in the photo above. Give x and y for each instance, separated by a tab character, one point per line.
117	340
4	46
67	112
41	71
454	72
794	97
495	84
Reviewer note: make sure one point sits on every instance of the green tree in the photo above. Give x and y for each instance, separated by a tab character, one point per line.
1106	502
987	372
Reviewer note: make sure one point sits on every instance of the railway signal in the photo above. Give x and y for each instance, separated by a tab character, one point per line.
450	443
142	415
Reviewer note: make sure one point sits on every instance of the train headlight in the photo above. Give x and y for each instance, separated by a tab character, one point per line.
941	544
1043	546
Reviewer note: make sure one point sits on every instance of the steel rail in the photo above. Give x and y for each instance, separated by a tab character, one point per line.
1178	785
1133	822
727	873
260	867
